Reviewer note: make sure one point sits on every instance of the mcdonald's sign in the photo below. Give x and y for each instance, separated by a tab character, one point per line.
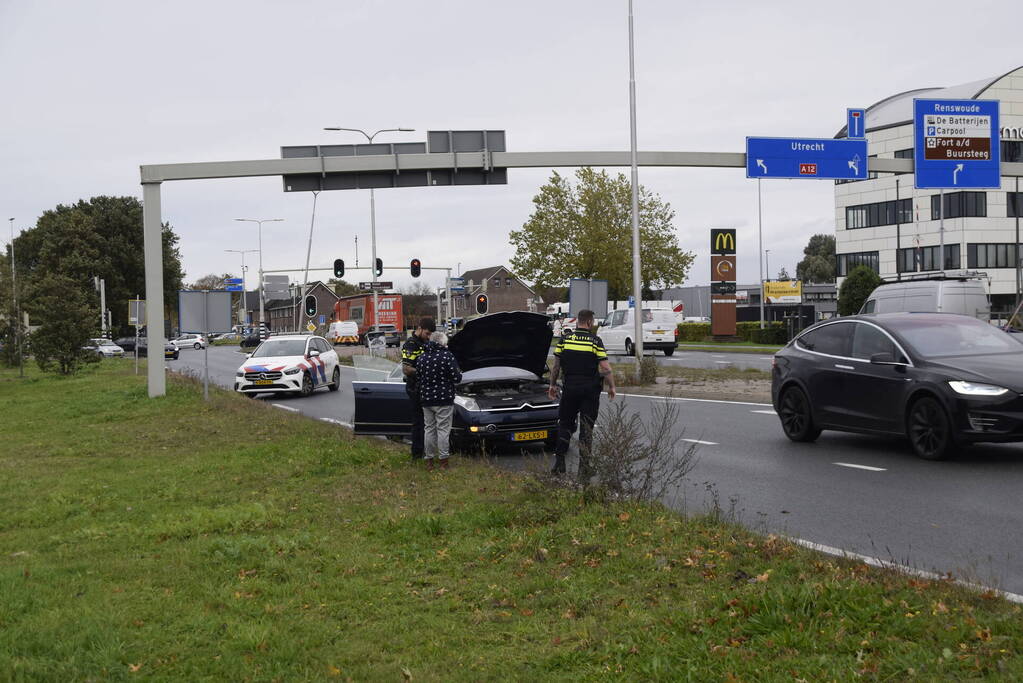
722	240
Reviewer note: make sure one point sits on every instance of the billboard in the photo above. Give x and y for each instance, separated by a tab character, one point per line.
587	294
204	312
783	292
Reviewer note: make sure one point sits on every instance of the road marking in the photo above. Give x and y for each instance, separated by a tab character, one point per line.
278	405
337	422
876	562
702	443
767	358
725	362
860	467
717	355
698	400
764	412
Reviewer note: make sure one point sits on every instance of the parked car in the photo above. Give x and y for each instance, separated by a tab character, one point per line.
250	342
502	396
943	380
660	331
390	333
170	349
289	364
196	341
105	348
227	336
343	332
965	294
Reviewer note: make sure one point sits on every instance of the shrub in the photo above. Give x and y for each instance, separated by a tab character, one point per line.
855	289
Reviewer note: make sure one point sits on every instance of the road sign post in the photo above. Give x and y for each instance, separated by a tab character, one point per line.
957	145
823	158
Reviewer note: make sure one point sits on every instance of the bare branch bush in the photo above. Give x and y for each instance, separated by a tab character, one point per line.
636	458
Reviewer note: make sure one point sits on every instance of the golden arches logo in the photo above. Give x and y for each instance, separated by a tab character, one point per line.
724	241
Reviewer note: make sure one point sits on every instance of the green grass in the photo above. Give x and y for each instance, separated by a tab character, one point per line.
177	539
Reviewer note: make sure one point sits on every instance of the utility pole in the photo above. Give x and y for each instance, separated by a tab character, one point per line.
101	287
17	313
245	291
262	298
637	291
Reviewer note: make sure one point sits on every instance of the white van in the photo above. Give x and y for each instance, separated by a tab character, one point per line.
965	295
344	332
660	332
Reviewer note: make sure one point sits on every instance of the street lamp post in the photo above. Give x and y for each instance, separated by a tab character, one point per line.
245	291
262	321
17	315
373	215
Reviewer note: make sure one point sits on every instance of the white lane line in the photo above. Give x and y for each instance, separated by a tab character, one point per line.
702	443
725	362
698	400
767	358
337	422
860	467
876	562
764	412
278	405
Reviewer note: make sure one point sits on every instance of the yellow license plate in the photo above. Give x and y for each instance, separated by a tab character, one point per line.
263	381
660	332
530	436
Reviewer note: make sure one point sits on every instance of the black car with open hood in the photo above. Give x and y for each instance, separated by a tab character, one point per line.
502	396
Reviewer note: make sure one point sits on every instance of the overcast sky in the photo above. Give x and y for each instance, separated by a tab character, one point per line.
91	90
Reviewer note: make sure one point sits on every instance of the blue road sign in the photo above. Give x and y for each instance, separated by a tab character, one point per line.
856	123
824	158
232	281
233	288
323	319
956	144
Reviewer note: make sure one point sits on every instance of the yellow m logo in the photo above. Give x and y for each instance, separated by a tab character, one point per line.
724	241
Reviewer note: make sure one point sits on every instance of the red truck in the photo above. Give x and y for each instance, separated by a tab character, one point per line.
359	309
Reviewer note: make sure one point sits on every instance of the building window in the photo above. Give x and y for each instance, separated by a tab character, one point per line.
879	213
960	205
1015	201
507	282
991	255
913	259
846	262
1012	150
904	153
497	282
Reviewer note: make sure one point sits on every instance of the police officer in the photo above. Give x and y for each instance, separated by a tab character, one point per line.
410	353
581	356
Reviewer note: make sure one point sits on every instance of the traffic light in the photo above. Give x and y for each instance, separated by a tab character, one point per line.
380	267
416	267
310	306
339	268
481	304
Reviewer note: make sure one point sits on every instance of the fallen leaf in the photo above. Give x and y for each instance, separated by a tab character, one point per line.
624	516
134	667
406	673
762	578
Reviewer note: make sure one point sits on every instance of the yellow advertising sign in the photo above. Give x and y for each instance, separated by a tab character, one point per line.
783	292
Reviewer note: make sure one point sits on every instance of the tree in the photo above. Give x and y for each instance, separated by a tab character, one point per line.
818	264
783	275
211	281
68	317
342	288
101	237
586	231
855	289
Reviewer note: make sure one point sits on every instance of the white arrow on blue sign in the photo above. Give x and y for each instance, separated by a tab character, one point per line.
233	288
822	158
232	281
956	144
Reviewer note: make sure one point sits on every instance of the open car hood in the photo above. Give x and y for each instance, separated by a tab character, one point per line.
515	339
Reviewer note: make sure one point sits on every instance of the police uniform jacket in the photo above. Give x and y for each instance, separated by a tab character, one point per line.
410	353
580	353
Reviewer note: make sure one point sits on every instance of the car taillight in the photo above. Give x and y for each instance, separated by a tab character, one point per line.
676	331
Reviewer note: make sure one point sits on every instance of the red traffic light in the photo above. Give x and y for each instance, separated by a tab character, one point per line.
416	267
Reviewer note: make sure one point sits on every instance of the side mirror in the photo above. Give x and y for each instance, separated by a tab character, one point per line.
314	354
248	355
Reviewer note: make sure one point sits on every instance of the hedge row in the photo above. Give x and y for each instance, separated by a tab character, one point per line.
773	332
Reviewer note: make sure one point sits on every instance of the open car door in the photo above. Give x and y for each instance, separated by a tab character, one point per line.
381	404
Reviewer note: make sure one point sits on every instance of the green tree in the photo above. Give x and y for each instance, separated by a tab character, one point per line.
108	231
343	288
585	230
855	289
818	264
211	281
68	317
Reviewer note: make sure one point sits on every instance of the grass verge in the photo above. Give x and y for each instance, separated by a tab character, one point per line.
178	539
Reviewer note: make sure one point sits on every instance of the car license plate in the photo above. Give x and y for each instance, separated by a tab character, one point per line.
530	436
263	381
660	332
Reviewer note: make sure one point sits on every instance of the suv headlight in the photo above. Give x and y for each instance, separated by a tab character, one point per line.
293	371
467	403
240	373
975	389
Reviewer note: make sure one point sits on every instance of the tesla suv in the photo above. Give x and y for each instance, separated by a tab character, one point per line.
502	397
942	380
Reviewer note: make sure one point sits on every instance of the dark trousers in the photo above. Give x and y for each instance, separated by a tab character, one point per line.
417	424
579	401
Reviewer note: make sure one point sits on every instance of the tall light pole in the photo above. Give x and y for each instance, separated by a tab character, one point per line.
637	292
245	290
260	221
767	263
373	215
17	314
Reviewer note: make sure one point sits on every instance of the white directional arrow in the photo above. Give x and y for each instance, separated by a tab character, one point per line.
955	174
854	164
761	164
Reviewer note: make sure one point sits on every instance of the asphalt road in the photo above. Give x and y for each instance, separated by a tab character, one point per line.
861	494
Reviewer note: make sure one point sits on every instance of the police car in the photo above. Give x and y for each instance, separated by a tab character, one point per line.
294	363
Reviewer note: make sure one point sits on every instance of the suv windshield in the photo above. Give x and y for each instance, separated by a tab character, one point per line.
280	347
954	336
